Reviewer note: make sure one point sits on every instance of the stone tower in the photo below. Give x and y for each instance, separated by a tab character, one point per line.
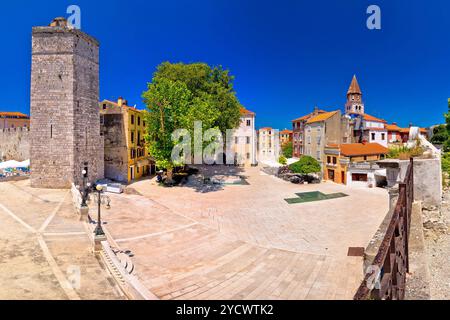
65	119
354	98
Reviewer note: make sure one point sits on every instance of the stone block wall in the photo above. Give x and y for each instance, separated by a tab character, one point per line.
65	120
14	144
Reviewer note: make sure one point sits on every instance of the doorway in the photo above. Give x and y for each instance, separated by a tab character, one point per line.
131	172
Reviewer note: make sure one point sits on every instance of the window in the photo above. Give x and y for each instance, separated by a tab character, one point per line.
328	159
248	155
137	169
318	155
383	136
236	140
334	160
373	136
139	137
139	123
249	123
365	158
143	124
248	140
132	137
132	119
132	153
104	106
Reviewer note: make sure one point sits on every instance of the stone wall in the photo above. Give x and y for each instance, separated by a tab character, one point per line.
14	144
427	178
116	152
65	120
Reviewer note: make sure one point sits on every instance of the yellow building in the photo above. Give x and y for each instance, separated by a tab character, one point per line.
353	163
126	157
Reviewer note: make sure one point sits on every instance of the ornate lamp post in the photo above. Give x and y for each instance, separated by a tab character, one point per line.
86	187
98	229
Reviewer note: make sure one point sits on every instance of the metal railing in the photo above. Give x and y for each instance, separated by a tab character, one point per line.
386	277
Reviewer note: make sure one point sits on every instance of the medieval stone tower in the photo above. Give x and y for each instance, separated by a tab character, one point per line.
354	98
65	119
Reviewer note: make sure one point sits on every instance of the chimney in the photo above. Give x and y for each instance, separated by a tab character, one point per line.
120	101
394	123
316	110
59	22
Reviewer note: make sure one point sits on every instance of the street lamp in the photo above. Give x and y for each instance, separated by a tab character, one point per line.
98	229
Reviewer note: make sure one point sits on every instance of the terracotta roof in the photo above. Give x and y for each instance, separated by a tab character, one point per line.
362	149
286	131
246	112
368	117
308	116
322	117
265	129
354	87
393	127
13	114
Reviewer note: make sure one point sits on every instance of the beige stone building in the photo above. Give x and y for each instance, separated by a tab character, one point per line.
320	131
65	126
14	120
243	144
123	127
268	144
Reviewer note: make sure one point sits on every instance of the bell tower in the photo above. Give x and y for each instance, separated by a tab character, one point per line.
354	98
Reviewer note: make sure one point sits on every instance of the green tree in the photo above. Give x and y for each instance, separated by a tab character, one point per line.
440	134
287	149
306	164
181	94
166	101
211	86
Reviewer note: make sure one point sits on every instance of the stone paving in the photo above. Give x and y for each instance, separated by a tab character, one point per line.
245	241
44	247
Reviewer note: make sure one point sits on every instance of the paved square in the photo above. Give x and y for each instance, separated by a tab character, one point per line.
245	241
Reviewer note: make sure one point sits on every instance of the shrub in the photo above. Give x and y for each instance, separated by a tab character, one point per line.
287	149
282	160
306	164
405	153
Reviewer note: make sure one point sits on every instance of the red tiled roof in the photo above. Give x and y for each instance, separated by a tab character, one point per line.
322	117
362	149
368	117
308	116
393	127
286	131
13	114
246	112
354	87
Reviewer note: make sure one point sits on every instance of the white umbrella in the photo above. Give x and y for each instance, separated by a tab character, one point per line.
14	164
24	164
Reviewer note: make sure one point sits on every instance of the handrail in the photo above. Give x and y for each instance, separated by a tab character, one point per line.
386	277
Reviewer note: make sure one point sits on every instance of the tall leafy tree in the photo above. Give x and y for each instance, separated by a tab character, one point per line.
213	86
181	94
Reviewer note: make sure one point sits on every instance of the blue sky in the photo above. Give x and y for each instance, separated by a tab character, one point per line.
287	56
